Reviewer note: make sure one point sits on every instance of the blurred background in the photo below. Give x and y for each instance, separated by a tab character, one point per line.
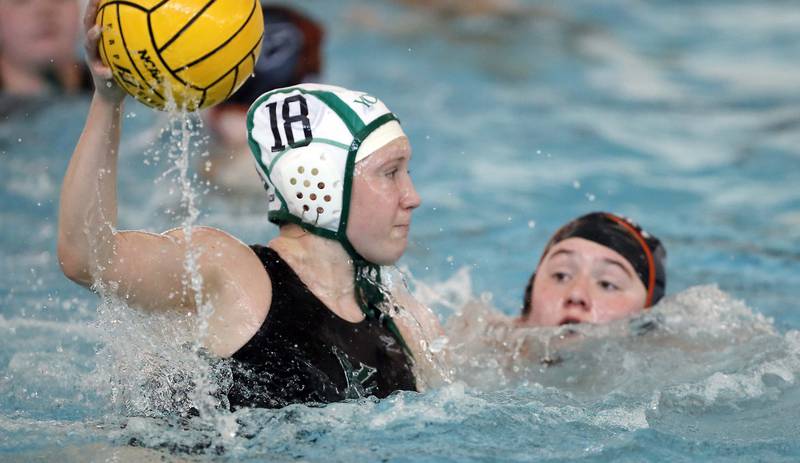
682	115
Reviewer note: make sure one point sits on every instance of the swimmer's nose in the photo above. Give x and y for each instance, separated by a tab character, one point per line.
410	198
578	296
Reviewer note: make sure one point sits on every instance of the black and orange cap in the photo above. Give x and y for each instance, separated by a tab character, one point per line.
644	251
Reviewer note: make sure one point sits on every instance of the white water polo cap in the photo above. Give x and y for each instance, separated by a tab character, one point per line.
306	140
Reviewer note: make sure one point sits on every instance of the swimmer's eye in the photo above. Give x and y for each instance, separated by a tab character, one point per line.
391	173
560	276
608	286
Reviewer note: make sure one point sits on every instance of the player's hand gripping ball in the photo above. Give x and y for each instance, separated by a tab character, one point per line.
180	54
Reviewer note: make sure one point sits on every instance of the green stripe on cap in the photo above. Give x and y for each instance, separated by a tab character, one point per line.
349	167
346	114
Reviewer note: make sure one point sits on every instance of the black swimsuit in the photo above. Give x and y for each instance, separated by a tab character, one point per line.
303	352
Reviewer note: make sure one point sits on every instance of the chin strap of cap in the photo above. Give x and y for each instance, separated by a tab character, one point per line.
370	292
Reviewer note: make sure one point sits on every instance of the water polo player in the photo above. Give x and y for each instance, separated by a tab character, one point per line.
38	54
305	318
597	268
291	53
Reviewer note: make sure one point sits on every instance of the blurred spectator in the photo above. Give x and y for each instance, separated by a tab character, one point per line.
39	52
290	54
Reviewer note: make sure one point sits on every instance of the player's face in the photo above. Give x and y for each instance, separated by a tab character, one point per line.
382	200
580	281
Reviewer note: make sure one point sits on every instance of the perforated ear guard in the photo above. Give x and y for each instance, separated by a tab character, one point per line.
309	180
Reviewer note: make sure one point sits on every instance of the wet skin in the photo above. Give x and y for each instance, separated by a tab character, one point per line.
580	281
383	198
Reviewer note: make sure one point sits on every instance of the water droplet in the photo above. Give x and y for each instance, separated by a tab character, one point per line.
438	344
531	224
576	184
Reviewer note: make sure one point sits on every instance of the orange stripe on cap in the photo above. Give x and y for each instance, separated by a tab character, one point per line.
651	264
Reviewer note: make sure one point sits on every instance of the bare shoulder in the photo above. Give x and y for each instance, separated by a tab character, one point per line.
215	246
423	333
424	317
236	285
204	235
403	297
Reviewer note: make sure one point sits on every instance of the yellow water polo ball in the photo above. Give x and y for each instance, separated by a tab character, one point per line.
180	54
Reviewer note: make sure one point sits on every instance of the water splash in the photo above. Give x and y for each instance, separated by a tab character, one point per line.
430	367
153	365
694	335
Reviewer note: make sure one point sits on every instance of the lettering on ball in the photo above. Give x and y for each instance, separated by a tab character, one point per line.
125	75
150	65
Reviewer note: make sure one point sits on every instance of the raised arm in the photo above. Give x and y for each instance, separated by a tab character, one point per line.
88	208
148	270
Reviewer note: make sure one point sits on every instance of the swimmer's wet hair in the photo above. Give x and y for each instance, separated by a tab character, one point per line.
644	251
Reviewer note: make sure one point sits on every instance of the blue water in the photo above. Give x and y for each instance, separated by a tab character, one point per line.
682	115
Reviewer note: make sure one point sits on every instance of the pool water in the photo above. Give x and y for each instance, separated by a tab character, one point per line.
682	115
